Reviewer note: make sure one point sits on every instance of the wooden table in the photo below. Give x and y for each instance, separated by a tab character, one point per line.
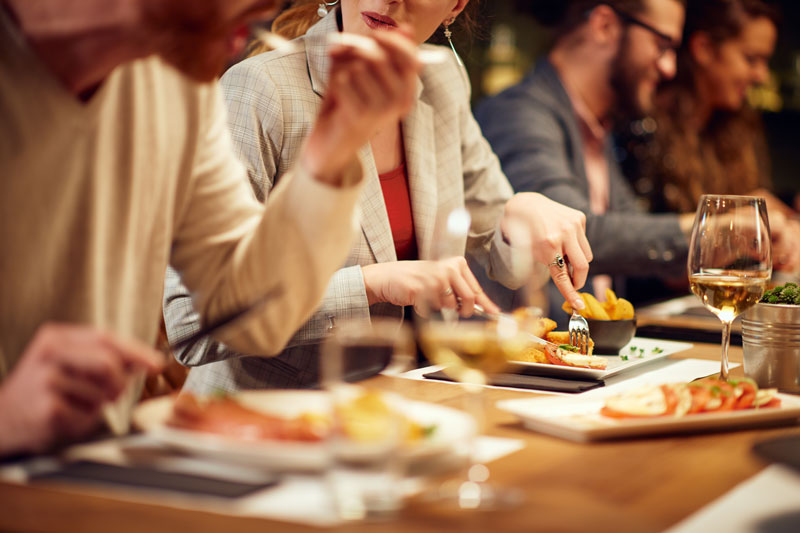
639	485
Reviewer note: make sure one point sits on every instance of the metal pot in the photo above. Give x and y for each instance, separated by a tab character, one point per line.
771	342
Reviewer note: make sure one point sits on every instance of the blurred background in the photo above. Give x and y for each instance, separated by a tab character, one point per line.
510	40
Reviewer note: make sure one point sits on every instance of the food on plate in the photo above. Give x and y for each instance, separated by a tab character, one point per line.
562	337
223	415
565	355
613	308
707	395
528	319
366	417
788	294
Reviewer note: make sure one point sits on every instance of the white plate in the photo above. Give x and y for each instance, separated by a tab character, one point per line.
616	364
579	419
452	428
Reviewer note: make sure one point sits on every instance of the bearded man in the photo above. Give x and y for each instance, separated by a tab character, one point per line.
552	131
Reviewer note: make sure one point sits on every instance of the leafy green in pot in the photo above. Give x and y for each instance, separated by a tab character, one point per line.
788	294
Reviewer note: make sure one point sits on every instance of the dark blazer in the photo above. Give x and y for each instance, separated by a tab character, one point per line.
534	131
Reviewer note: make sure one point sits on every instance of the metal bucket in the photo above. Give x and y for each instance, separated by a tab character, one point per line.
771	342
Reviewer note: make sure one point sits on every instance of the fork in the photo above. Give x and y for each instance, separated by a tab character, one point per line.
579	332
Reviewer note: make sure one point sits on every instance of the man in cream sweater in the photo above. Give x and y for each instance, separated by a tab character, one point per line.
115	161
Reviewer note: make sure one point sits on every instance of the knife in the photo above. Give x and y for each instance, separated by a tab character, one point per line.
229	320
483	313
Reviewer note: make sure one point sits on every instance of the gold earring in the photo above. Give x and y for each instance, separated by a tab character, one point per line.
448	35
322	10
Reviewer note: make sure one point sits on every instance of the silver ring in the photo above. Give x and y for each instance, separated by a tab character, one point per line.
448	291
558	262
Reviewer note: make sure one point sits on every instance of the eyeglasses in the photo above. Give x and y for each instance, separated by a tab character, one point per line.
664	42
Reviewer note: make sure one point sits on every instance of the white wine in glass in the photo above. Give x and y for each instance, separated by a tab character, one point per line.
730	258
471	352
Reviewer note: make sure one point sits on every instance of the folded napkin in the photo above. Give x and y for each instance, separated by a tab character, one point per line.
523	381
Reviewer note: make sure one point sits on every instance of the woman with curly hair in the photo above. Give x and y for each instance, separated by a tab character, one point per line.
708	140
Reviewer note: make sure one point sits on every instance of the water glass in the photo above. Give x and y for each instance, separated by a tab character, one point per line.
366	463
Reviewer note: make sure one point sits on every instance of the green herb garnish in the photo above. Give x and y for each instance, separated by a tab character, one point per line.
568	347
623	357
657	350
428	431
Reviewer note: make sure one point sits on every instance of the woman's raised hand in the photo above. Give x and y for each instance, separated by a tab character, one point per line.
448	283
369	88
556	231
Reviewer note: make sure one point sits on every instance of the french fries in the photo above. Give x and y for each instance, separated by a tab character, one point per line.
613	308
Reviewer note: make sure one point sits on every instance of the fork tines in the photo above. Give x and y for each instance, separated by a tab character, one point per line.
579	334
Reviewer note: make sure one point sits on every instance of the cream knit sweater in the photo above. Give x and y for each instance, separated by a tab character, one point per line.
97	198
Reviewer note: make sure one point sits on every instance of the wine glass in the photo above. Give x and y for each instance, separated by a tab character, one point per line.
366	455
472	351
730	258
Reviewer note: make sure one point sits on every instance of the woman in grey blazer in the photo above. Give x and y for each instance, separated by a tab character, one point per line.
272	101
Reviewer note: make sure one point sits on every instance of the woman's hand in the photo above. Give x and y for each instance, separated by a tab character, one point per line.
436	284
369	89
555	230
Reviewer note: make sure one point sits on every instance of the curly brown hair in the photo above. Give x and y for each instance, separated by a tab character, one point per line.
729	154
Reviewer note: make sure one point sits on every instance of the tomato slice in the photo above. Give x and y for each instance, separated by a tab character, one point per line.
700	397
671	397
727	396
775	402
611	413
552	357
747	397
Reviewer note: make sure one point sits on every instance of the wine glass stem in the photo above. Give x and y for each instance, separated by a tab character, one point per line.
475	407
726	342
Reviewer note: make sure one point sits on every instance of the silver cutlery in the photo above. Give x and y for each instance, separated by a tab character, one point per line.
579	332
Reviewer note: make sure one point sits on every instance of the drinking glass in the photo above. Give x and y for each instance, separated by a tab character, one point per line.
730	258
366	461
471	352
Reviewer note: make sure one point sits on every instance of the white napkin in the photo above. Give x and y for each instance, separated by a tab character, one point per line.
769	501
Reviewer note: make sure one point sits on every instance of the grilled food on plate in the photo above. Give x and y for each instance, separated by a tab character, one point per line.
365	418
223	415
564	355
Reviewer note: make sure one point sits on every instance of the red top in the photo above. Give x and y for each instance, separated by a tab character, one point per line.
394	185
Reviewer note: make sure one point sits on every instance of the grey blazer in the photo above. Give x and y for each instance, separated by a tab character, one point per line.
533	130
272	101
